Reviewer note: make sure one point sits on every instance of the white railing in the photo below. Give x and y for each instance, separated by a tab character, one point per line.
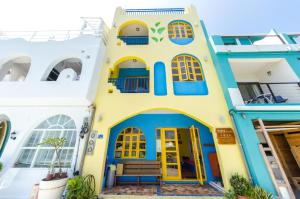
155	11
91	26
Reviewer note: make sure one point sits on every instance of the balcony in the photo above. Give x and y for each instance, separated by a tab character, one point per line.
135	40
264	81
272	42
134	33
131	84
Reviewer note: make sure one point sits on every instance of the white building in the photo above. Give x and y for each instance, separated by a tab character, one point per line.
47	89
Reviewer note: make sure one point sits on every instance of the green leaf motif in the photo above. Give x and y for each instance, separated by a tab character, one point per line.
157	24
160	30
161	39
153	30
155	39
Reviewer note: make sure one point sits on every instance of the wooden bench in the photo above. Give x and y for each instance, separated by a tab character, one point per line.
138	168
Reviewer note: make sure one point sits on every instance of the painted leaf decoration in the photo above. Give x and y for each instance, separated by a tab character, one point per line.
160	30
157	24
153	30
161	39
155	39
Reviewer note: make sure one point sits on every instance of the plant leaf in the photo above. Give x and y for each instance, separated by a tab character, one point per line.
153	30
155	39
157	24
161	39
160	30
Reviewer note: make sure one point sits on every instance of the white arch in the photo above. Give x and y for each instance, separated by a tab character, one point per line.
15	68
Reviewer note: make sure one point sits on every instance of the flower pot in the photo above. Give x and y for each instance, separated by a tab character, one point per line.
242	197
52	189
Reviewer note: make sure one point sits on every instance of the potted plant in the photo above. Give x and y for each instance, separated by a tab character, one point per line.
81	188
54	184
241	186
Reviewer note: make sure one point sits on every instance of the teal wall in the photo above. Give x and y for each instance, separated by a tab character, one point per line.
246	132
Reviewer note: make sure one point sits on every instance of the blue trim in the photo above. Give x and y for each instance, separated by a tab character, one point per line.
135	40
190	88
160	82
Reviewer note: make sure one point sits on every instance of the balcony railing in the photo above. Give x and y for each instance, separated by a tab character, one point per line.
135	40
273	93
155	11
131	84
248	40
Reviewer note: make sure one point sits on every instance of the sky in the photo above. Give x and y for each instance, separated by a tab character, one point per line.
219	16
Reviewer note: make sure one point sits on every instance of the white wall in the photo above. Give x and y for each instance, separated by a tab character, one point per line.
44	56
18	182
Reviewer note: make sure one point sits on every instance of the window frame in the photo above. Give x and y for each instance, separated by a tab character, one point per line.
185	30
185	68
46	132
130	149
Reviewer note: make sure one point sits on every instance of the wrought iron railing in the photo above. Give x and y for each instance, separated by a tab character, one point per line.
131	84
155	11
135	40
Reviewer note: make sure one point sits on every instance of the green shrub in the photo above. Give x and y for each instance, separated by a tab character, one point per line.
81	187
241	186
230	194
259	193
1	166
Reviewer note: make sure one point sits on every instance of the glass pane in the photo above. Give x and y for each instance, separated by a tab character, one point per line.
135	130
133	153
175	78
134	145
142	138
120	138
127	138
70	136
43	125
128	130
118	154
158	134
119	146
134	138
171	157
142	145
44	158
174	71
142	154
25	158
170	134
63	119
197	70
170	146
126	153
184	77
70	125
34	139
127	145
54	120
199	77
172	170
66	157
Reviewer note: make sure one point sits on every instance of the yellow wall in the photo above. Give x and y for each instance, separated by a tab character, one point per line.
112	108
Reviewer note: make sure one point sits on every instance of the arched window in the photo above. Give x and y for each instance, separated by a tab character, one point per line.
68	69
134	33
34	155
180	32
15	69
186	68
131	143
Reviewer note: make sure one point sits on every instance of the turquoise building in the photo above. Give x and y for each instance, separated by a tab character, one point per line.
260	75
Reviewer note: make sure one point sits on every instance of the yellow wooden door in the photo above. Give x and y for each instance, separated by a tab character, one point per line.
171	168
198	156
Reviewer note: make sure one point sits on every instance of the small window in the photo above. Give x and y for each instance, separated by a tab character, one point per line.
186	68
180	32
34	155
131	143
229	41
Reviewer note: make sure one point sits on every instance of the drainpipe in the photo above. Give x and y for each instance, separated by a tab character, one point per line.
231	112
92	109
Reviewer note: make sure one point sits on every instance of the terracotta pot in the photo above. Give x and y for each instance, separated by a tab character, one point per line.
52	189
242	197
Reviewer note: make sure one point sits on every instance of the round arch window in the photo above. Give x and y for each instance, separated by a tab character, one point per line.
180	32
34	155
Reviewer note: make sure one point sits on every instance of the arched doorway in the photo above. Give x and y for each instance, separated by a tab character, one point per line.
183	145
15	69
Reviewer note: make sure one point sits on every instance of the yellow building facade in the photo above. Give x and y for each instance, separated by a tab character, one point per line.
159	98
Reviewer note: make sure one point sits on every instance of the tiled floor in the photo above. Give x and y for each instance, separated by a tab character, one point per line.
164	189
